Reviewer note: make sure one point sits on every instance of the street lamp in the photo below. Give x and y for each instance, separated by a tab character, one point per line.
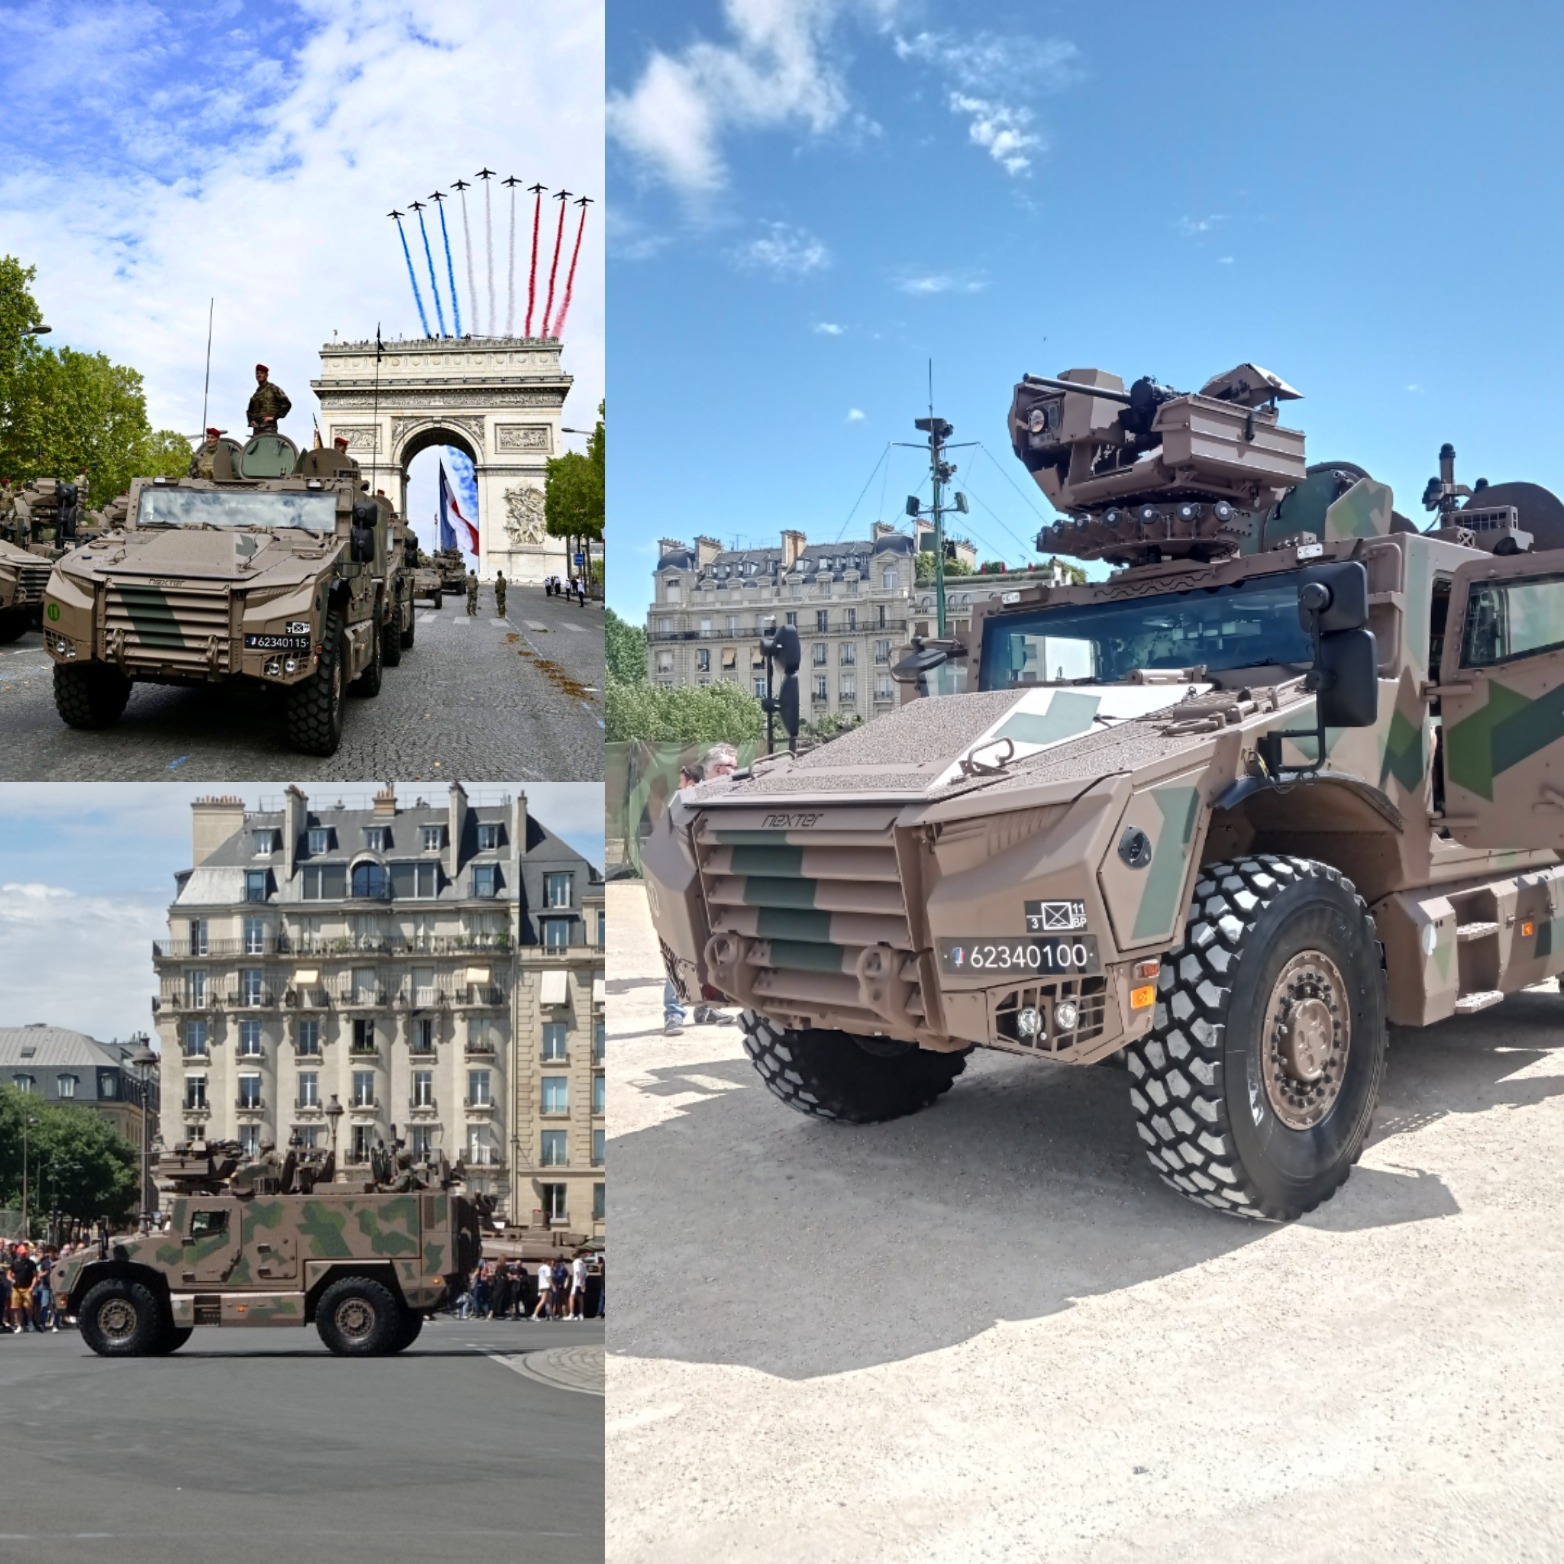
145	1062
28	1121
334	1114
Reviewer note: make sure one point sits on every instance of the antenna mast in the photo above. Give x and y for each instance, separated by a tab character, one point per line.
207	384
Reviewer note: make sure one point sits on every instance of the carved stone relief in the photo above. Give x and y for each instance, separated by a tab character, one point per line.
521	437
524	522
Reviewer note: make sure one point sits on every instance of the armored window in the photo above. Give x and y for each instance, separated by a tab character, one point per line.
558	889
1510	619
65	1085
195	1091
208	1224
370	882
486	880
555	1042
306	1039
249	1091
377	838
598	1137
257	884
556	1094
249	1039
599	1094
325	882
195	1039
320	839
363	1088
309	1089
434	838
597	1203
423	1088
478	1089
556	1149
556	933
553	1199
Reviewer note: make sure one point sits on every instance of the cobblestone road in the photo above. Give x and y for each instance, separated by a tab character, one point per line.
478	698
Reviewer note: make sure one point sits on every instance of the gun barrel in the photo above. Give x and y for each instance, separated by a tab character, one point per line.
1048	382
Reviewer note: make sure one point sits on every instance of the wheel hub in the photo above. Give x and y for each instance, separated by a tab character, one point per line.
117	1319
355	1319
1308	1033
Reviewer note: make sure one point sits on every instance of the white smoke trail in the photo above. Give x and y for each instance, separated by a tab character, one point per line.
472	287
510	292
488	245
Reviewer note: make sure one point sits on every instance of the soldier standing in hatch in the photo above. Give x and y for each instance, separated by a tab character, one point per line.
472	593
499	594
269	403
201	462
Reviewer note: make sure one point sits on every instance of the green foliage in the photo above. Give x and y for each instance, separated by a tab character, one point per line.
76	1161
626	649
827	725
62	412
925	568
690	714
573	502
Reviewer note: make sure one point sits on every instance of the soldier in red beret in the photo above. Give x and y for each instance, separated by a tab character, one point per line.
269	403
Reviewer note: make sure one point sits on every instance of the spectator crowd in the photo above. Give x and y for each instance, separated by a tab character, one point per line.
506	1290
27	1301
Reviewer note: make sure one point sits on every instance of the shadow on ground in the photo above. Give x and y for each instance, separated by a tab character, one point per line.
753	1236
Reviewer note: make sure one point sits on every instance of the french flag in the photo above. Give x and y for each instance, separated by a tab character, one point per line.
449	509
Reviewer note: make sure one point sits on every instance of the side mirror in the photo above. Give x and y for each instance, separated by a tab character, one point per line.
781	644
919	663
1333	608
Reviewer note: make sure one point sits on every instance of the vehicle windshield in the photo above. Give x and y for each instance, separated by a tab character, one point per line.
254	510
1251	624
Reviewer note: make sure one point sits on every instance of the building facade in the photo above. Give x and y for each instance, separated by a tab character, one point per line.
365	956
57	1065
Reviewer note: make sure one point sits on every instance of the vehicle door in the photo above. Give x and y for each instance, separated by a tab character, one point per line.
1501	696
210	1241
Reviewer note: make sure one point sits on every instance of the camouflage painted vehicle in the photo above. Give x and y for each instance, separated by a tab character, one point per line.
278	1242
23	576
453	569
429	585
1293	772
277	570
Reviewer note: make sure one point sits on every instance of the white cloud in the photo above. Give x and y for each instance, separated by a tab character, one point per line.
1224	260
1001	130
828	328
775	71
922	284
784	251
631	240
856	415
1414	386
1194	227
140	191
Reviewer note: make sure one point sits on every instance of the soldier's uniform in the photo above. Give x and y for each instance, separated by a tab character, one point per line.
499	593
201	462
472	592
269	403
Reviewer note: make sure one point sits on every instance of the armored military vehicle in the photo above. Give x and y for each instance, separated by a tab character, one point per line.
279	1241
453	569
23	576
1293	771
278	569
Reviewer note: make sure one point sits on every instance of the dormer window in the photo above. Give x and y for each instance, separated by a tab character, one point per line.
265	843
377	838
320	839
488	836
434	838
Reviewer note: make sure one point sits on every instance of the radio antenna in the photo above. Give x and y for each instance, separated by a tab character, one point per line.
207	385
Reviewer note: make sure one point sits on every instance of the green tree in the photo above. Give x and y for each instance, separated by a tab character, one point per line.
573	501
925	568
689	714
626	649
76	1162
63	412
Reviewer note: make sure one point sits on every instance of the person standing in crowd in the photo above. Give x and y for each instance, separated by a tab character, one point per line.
43	1293
561	1276
722	760
545	1292
24	1272
499	593
499	1292
472	593
674	1015
578	1287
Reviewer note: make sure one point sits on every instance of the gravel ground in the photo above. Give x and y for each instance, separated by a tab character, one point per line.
989	1332
482	699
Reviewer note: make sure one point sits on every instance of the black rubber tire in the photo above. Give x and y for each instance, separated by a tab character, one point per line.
90	695
315	706
439	601
412	1325
1196	1087
412	629
392	639
359	1318
173	1338
367	685
834	1075
147	1320
15	623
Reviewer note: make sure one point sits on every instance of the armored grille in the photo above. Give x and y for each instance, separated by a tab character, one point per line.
32	579
806	915
1088	995
169	625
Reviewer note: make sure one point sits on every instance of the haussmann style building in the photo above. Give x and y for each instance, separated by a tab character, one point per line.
436	965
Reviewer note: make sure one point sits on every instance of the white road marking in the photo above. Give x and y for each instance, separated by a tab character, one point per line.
579	629
532	624
463	622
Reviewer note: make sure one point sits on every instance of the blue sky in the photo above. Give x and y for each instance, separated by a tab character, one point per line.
810	201
87	873
157	153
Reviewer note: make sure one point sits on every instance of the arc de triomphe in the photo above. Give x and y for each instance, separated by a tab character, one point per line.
499	399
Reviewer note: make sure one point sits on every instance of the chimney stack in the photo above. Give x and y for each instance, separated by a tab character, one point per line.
295	816
385	802
706	550
213	821
792	546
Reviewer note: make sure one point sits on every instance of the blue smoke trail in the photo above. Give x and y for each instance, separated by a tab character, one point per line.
418	298
450	270
434	287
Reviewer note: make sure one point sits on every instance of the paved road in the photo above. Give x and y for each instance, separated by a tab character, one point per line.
988	1332
257	1446
482	699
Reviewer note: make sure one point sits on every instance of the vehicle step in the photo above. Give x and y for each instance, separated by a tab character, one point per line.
1466	931
1467	1004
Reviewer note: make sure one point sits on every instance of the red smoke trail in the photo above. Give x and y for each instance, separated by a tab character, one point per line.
570	278
553	270
532	276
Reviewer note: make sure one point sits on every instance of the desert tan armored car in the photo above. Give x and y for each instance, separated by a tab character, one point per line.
1293	771
277	569
23	576
276	1242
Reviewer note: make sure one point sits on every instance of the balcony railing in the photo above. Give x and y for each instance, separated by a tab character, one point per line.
364	1050
423	1107
244	1105
364	999
480	995
475	1048
372	1105
473	1106
250	999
